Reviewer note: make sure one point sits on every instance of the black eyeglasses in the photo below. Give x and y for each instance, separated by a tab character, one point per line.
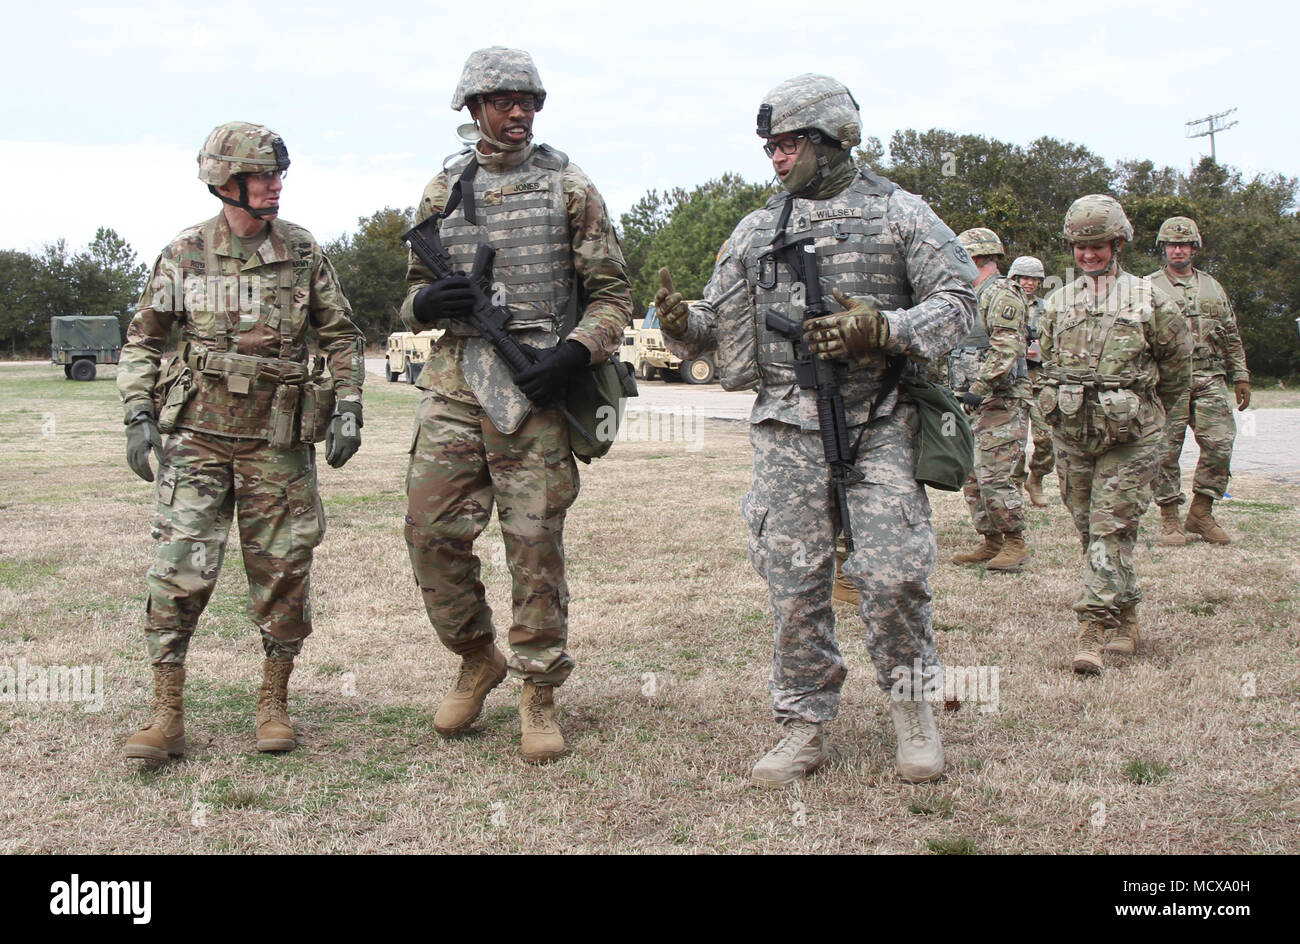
785	145
504	103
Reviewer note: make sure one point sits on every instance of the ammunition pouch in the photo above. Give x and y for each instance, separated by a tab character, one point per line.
301	402
173	389
1119	410
317	404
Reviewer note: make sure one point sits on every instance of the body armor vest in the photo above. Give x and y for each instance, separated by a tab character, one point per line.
521	212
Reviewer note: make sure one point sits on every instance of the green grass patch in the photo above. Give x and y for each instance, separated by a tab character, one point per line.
956	845
1142	771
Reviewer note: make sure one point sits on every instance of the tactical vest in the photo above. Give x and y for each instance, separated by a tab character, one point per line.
521	212
1206	315
856	253
244	337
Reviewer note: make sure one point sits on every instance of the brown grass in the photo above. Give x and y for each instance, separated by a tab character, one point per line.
1182	760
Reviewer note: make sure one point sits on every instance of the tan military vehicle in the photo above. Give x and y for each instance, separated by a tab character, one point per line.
407	352
646	354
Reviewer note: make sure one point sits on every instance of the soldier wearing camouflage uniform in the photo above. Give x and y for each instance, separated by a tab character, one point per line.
903	282
990	375
1115	358
1217	353
1028	273
242	407
483	437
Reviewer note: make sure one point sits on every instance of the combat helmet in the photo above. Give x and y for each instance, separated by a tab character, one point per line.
238	148
1096	218
981	241
497	69
1179	229
811	102
1028	266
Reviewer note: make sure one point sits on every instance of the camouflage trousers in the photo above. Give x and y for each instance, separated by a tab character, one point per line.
792	516
1000	426
203	483
1207	408
461	465
1043	459
1106	491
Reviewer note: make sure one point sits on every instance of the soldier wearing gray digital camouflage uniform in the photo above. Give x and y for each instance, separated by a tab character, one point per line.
1115	358
1028	273
903	283
991	377
483	437
1217	353
242	406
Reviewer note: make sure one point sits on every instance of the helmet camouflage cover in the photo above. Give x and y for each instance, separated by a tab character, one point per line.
1096	218
1028	266
811	102
1179	229
497	69
981	241
238	147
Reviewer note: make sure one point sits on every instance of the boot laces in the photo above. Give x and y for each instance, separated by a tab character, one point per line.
537	709
915	732
792	741
469	666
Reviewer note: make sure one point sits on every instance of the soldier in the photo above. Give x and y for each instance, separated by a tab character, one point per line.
1217	352
990	376
903	283
242	407
1115	358
481	439
1027	272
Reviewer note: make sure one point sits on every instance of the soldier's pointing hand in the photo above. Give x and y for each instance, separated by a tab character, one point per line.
670	305
852	334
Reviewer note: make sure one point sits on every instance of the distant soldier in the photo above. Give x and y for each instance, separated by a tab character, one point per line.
992	380
1027	272
1205	407
1115	358
242	408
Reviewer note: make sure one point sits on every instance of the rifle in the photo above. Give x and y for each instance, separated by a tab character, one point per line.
486	318
813	373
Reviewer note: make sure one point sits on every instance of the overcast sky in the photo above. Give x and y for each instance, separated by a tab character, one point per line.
106	105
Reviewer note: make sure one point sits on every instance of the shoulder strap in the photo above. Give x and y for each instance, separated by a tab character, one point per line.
220	323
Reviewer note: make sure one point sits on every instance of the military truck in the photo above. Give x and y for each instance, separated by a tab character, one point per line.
79	342
648	357
407	352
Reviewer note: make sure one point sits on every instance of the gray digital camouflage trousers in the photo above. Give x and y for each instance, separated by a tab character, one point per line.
1106	491
1000	425
790	510
461	466
1207	408
203	482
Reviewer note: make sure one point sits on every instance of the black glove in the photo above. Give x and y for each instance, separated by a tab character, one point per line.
452	297
546	377
141	438
343	437
970	401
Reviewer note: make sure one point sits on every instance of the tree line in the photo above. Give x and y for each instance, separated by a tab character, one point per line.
1251	231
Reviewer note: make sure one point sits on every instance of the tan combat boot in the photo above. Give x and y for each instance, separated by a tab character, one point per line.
1127	639
845	591
1013	553
480	671
1201	521
1034	489
274	728
164	735
920	755
985	552
542	740
1171	527
1087	661
801	750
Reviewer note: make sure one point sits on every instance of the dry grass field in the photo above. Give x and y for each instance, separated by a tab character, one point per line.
1193	747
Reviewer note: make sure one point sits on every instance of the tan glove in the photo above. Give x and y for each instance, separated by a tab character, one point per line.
853	334
1242	391
671	307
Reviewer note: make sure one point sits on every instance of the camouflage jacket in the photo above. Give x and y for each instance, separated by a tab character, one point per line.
872	240
1125	353
262	307
1003	313
1217	348
594	264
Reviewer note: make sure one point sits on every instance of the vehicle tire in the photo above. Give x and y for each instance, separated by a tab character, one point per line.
669	374
645	372
393	375
698	371
83	370
412	371
67	371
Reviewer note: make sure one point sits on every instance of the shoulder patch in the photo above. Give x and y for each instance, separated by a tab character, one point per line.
961	254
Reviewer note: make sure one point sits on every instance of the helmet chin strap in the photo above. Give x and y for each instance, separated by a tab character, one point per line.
487	135
242	202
